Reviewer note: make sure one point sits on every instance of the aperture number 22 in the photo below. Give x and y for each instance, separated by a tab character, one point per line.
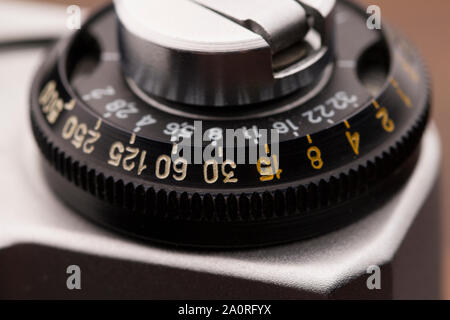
340	101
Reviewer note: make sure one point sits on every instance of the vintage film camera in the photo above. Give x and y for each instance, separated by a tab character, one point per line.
343	202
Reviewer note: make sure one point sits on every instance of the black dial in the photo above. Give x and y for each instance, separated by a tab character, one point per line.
347	140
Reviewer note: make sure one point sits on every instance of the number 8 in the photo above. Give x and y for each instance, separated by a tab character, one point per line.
315	156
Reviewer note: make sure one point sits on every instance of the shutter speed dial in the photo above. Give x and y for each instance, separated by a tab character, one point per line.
221	53
111	105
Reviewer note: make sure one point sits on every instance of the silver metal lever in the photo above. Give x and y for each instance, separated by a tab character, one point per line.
281	23
224	52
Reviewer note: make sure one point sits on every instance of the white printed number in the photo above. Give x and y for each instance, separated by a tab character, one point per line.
340	101
98	94
177	131
121	109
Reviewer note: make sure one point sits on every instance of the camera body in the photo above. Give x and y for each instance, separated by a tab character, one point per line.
41	238
391	253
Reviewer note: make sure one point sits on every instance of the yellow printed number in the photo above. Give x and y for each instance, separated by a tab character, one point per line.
126	157
52	104
315	155
226	168
353	139
268	167
164	164
387	123
80	135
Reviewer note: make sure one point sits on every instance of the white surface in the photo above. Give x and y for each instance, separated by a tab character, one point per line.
185	25
25	20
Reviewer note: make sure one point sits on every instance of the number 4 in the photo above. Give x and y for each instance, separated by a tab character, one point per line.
353	139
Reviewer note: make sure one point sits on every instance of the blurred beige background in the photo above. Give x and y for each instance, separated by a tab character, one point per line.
427	24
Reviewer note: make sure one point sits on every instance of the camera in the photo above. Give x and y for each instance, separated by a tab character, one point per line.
204	149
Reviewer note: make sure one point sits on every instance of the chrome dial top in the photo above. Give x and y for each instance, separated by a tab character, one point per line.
224	53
